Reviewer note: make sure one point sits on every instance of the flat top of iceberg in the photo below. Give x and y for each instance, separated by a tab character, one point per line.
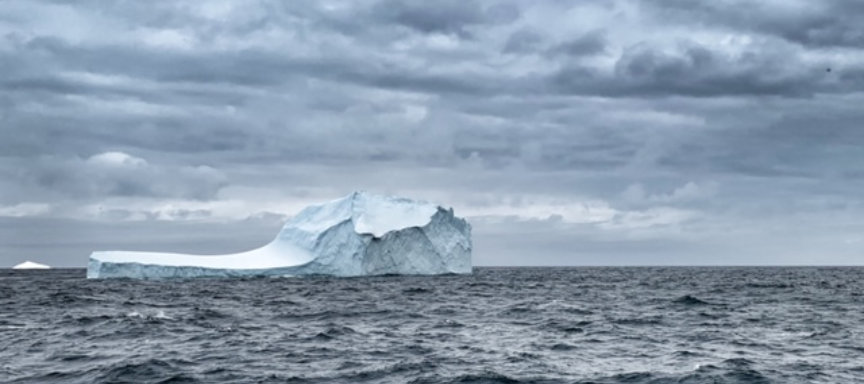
31	265
273	255
370	214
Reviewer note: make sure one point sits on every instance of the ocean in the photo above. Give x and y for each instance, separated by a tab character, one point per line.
499	325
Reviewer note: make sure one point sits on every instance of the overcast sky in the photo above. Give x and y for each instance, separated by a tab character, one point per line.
569	133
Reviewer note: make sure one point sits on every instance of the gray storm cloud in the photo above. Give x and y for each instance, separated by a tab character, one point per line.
624	132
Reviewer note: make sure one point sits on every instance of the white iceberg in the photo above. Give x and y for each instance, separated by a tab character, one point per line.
31	265
361	234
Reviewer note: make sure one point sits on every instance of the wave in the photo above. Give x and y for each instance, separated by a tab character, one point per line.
539	325
690	300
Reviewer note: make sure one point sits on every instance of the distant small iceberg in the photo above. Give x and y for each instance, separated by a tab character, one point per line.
31	265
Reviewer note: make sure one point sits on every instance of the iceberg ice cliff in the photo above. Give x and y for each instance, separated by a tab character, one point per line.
360	234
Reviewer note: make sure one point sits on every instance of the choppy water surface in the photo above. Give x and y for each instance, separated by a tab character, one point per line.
513	325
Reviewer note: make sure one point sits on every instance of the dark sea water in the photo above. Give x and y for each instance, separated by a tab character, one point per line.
500	325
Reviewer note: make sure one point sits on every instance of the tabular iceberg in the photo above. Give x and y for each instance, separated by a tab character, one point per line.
361	234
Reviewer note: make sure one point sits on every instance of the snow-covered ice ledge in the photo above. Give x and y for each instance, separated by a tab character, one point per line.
360	234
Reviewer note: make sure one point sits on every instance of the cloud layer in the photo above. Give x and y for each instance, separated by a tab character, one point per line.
624	132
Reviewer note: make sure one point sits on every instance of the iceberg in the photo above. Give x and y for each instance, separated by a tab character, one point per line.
360	234
31	265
